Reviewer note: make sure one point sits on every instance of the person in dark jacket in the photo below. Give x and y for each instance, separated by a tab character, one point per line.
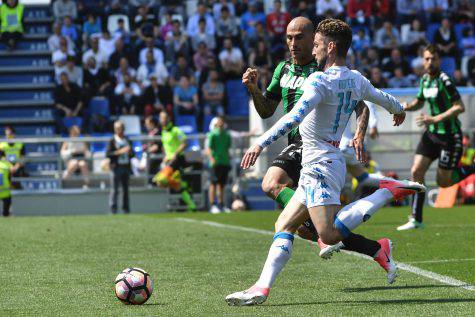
119	151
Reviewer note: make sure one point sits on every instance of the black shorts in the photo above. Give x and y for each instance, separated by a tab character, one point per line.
178	164
219	174
445	147
290	160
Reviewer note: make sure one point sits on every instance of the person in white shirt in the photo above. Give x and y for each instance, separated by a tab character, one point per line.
328	8
124	69
231	59
219	5
151	67
322	114
54	39
157	53
128	93
99	55
75	73
192	26
60	56
107	44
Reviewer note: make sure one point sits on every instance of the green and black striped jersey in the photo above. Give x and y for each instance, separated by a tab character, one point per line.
285	86
440	92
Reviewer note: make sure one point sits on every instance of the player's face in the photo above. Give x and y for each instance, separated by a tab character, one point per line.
320	51
300	43
431	62
163	119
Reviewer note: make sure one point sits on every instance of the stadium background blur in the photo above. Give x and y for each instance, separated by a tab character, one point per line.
88	63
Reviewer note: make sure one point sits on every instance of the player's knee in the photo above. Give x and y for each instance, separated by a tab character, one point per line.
329	237
271	187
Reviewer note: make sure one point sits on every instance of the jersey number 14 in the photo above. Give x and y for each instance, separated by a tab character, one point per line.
344	99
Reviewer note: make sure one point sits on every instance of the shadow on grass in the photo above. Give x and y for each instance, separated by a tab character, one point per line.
383	302
389	288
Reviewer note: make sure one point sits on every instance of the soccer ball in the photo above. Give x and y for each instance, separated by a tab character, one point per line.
133	286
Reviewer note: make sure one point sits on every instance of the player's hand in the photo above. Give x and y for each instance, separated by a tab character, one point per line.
250	158
360	150
424	120
373	133
398	119
405	105
249	78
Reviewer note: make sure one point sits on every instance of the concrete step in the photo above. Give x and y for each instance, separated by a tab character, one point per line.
27	103
24	86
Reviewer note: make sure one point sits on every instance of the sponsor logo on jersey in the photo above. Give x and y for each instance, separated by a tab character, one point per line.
430	92
291	82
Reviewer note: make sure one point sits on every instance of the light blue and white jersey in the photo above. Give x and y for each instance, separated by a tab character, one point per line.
324	109
372	123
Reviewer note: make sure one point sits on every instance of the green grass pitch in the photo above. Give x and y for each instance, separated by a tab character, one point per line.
65	266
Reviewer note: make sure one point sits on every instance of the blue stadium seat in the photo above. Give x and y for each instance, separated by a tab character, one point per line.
137	148
188	125
99	106
237	98
431	30
447	65
99	146
206	122
458	29
68	122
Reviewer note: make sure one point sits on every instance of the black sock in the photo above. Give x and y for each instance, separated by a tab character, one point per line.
360	244
417	205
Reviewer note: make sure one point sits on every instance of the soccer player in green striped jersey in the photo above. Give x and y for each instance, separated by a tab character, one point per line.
442	139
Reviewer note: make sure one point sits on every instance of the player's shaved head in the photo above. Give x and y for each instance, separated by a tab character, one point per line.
299	38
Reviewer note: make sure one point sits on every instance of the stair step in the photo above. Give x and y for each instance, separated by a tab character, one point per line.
26	69
24	79
33	94
31	112
44	52
24	86
26	103
39	20
29	45
37	130
25	120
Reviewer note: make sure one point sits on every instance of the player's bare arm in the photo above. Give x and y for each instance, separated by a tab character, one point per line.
415	105
362	119
265	107
456	109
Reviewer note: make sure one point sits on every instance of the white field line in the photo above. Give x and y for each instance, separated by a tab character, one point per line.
443	261
403	266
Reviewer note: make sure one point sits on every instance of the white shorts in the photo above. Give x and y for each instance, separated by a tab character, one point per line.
350	155
321	183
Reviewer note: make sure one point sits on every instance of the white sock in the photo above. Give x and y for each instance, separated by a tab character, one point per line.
279	253
352	215
372	180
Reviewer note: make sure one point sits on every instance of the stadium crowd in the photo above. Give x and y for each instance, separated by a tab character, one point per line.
146	56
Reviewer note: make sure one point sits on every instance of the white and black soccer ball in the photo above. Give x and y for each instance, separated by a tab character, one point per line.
133	286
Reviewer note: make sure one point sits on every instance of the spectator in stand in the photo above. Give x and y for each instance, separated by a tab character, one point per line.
107	44
303	10
408	11
167	27
231	60
146	26
361	41
394	61
250	19
127	94
99	55
150	67
75	155
181	69
463	9
359	12
193	22
69	29
213	95
381	11
176	44
91	26
435	9
203	36
373	57
14	153
64	8
276	23
154	97
260	58
399	80
120	52
329	9
152	149
414	38
260	34
386	38
185	98
218	8
60	56
124	69
446	40
219	144
149	47
54	39
201	57
377	79
122	32
11	19
468	42
458	79
119	151
97	80
226	26
211	65
150	4
68	98
75	73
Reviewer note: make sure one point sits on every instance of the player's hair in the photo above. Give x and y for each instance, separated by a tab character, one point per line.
431	48
337	31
